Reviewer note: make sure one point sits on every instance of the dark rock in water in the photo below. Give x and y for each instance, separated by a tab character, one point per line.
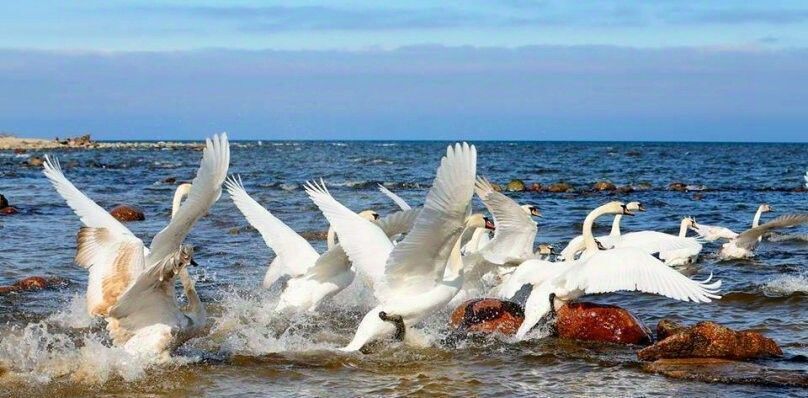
713	370
314	235
124	212
604	186
485	316
677	186
5	209
666	328
559	187
33	283
601	323
535	187
698	196
625	189
169	180
19	151
36	161
634	153
3	202
711	340
515	185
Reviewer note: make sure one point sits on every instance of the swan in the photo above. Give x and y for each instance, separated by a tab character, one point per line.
600	271
671	249
131	286
576	245
743	246
424	271
712	233
313	277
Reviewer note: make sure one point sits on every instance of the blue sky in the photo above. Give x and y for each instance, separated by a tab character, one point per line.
516	69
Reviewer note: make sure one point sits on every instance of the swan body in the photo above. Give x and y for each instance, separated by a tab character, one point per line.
671	249
132	286
425	270
713	233
601	271
576	245
744	245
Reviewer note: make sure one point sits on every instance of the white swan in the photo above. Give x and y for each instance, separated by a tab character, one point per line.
576	245
743	246
402	204
134	287
712	233
672	249
600	271
295	257
425	270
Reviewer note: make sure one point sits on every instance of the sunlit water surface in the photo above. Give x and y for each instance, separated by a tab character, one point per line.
50	347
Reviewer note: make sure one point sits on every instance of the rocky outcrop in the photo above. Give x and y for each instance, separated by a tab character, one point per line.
600	323
485	316
709	340
559	187
125	213
677	186
535	187
515	185
33	283
35	161
714	370
604	186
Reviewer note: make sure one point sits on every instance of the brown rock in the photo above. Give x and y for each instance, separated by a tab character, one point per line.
124	212
711	340
666	328
515	185
19	151
602	323
7	211
314	235
487	316
677	186
535	187
558	187
3	202
625	189
604	186
169	180
36	161
33	283
714	370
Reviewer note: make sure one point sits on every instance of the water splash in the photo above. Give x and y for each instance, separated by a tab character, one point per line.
785	285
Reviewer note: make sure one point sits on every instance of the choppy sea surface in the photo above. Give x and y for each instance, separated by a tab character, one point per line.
50	347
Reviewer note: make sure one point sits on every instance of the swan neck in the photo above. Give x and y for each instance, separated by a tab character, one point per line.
180	194
616	226
454	264
195	307
683	228
331	238
756	220
589	239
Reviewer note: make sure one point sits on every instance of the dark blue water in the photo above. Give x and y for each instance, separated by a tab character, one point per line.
242	355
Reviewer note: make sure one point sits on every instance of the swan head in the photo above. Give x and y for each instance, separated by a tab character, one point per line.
635	206
532	210
765	208
185	257
369	215
616	207
477	220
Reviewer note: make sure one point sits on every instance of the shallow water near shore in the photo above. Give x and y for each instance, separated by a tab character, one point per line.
50	347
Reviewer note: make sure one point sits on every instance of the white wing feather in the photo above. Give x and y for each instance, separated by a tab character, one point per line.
395	198
515	230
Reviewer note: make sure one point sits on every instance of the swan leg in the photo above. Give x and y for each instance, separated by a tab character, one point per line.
397	321
552	297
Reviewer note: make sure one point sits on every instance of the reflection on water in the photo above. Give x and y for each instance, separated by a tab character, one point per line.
49	346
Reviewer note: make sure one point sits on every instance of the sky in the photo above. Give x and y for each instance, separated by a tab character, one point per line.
661	70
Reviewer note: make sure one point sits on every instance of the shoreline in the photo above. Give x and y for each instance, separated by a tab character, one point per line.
13	143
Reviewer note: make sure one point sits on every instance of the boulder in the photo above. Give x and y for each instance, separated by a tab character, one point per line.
314	235
33	283
604	186
710	340
535	187
666	328
125	212
169	180
3	202
677	186
515	185
485	316
601	323
713	370
36	161
8	211
559	187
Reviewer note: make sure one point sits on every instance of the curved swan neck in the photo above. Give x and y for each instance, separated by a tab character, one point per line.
182	191
195	307
589	239
331	238
616	226
756	220
683	227
454	264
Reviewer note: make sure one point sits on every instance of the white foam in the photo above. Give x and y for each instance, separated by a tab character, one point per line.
785	285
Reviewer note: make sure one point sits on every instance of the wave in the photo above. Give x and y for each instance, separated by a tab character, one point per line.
786	285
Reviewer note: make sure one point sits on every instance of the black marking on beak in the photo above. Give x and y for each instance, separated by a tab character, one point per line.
640	207
375	216
534	211
489	224
396	320
626	211
194	263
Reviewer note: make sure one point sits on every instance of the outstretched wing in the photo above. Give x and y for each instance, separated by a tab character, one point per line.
365	243
399	222
295	254
419	260
632	269
712	232
90	213
205	190
395	198
515	229
749	238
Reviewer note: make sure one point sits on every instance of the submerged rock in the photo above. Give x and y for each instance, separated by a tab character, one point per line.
3	201
5	208
515	185
314	235
677	186
486	316
535	187
559	187
713	370
125	212
35	161
709	340
601	323
33	283
604	186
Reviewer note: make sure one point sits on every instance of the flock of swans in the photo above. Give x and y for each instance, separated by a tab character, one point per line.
416	261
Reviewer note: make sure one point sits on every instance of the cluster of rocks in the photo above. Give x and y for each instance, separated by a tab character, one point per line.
21	145
517	185
705	351
33	283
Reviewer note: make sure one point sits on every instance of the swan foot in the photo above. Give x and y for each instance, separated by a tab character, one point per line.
397	321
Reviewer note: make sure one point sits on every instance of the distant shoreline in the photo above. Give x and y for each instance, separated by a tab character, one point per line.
9	142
